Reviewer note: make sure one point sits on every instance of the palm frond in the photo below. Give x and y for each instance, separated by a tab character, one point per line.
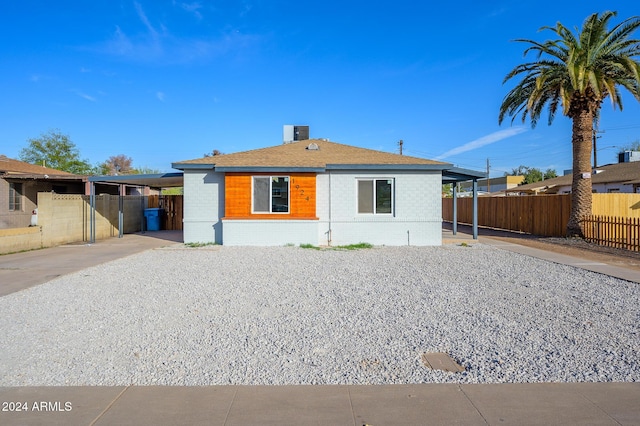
576	70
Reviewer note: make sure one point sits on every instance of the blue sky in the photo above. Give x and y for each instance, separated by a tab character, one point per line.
168	80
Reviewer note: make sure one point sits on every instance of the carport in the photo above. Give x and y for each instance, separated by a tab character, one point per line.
455	175
153	181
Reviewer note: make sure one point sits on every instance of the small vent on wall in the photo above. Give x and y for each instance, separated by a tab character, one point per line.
313	147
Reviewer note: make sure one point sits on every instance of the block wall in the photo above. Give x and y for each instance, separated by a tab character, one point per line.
203	206
66	218
19	239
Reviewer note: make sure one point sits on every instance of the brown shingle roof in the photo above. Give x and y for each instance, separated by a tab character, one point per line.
9	166
297	155
611	173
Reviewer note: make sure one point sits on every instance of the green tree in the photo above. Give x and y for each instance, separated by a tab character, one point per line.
447	190
550	174
518	171
173	191
144	170
55	150
577	71
532	174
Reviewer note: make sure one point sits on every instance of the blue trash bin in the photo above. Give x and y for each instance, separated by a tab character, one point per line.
153	218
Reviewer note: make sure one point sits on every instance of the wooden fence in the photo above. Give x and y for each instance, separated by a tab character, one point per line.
537	215
615	232
172	205
544	215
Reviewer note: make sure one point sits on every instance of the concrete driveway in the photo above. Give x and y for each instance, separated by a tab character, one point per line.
22	270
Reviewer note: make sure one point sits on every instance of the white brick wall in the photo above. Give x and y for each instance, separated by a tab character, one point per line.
203	206
269	232
322	195
417	218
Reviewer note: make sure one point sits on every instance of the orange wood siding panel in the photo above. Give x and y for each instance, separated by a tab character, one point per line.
302	196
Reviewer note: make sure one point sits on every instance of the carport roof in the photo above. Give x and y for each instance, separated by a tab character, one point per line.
157	180
456	174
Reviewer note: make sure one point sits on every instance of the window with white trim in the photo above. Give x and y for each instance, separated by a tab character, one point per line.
375	196
270	194
15	196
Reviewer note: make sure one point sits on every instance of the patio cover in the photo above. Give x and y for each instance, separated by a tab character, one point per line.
158	180
455	175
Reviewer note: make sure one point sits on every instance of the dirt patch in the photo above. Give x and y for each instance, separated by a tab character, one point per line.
570	246
581	249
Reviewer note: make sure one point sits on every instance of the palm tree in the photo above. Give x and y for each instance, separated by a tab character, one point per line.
577	71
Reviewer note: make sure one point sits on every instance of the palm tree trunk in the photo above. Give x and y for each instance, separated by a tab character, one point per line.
581	186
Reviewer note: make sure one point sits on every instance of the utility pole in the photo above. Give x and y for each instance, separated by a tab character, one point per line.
595	150
400	143
488	184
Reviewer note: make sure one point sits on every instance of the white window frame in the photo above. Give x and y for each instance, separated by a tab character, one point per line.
374	179
253	180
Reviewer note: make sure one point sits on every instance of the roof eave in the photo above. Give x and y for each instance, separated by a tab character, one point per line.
422	167
33	176
124	178
192	166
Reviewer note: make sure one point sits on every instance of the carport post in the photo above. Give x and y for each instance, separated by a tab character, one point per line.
475	209
92	213
143	204
120	211
455	208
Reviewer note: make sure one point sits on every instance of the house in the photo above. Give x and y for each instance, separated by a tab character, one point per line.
20	183
313	191
620	177
492	185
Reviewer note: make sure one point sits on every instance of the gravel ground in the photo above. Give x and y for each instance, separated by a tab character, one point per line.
287	315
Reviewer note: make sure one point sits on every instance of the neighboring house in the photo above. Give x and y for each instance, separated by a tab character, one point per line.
313	191
20	183
499	184
620	177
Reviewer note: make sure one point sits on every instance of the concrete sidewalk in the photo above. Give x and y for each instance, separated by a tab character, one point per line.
421	404
430	404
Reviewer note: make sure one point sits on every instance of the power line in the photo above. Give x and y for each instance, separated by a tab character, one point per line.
624	127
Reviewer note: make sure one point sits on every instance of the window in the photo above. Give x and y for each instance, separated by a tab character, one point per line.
15	196
375	196
271	194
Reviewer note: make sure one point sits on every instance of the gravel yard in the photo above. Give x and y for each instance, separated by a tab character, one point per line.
287	315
